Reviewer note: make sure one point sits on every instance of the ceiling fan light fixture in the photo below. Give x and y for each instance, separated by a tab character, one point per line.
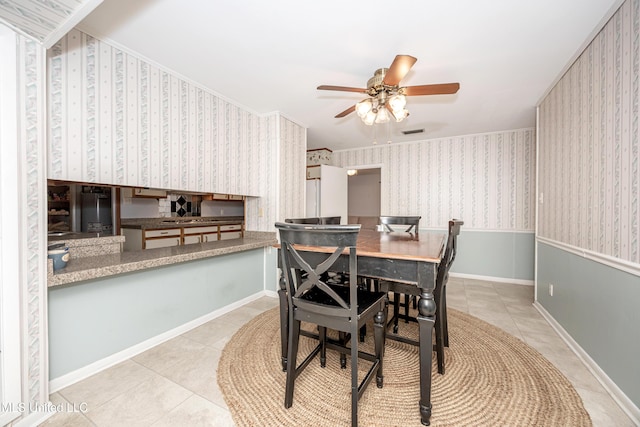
363	107
369	118
400	115
386	97
397	102
382	116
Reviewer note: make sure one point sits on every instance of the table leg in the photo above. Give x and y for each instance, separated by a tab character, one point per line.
426	322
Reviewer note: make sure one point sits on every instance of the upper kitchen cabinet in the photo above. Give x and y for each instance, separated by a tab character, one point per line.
116	119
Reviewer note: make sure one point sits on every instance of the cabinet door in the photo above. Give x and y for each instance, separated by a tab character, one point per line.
210	237
132	239
231	231
194	238
149	192
167	232
230	235
162	243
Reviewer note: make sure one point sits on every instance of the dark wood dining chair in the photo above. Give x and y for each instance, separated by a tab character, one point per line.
440	293
341	308
330	219
412	224
309	220
314	220
442	276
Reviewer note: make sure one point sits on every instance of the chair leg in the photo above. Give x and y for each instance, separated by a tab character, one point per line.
445	323
396	311
284	327
379	328
342	337
354	379
439	346
323	345
439	329
294	338
406	308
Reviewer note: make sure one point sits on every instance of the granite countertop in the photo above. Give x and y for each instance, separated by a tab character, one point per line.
82	269
196	221
72	238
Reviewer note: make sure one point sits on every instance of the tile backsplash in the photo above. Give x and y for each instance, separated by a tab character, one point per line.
179	205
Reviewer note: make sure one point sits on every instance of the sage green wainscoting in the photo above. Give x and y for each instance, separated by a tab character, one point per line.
92	320
500	254
272	273
598	306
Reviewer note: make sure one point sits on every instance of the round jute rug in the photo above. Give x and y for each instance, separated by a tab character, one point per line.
492	379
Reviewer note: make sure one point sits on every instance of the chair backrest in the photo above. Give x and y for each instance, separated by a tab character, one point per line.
330	220
302	276
450	250
412	221
312	220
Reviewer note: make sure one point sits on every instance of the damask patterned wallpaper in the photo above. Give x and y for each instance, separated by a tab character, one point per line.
589	145
488	180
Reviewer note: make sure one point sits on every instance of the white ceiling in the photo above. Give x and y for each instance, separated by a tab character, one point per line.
271	55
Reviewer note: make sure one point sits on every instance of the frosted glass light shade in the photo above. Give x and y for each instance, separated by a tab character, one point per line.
369	118
401	114
382	116
397	102
363	107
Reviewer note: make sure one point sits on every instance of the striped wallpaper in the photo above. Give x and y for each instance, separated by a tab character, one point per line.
589	145
116	119
488	180
43	19
293	162
280	172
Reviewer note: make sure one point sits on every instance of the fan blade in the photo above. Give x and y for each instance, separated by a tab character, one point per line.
347	111
342	88
438	89
398	69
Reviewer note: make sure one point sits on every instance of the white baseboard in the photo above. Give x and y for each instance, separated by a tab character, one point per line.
492	279
618	395
272	294
100	365
33	419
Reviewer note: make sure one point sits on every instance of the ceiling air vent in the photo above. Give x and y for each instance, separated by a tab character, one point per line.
411	132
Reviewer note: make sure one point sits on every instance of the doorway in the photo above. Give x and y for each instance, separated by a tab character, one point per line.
364	185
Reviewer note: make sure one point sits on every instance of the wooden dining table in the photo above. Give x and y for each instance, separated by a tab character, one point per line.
411	258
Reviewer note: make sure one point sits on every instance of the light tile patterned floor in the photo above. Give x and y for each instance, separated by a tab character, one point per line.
174	383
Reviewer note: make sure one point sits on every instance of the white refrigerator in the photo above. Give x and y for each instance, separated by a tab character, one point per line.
327	195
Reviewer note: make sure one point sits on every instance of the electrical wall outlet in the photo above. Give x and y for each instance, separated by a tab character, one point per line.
550	289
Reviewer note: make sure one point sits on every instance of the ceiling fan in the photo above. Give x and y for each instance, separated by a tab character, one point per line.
386	96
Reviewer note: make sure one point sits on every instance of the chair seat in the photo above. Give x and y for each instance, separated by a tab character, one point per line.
366	299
